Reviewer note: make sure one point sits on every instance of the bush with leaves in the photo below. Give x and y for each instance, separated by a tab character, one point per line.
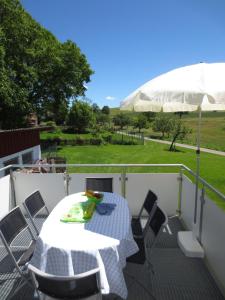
81	116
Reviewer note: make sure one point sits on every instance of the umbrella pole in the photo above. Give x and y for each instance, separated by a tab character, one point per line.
197	163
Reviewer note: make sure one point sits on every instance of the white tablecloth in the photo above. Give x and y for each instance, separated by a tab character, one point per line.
71	248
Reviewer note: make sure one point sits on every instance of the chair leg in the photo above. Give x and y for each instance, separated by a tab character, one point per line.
21	283
37	294
138	282
150	266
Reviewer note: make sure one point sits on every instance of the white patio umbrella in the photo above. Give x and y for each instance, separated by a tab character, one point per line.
196	87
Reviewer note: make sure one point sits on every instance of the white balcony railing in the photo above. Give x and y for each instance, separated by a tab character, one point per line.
175	191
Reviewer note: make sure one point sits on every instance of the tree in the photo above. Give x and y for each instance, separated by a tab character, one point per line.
121	120
149	115
62	78
36	70
102	119
178	130
181	113
81	116
106	110
162	124
96	108
140	122
17	75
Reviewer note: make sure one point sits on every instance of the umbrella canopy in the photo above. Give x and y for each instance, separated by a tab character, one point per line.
196	87
183	89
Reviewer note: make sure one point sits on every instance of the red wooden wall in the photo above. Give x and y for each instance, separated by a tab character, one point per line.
12	141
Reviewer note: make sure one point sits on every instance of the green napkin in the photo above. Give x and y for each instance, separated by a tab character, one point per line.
80	212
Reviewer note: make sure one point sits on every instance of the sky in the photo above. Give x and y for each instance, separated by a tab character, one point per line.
129	42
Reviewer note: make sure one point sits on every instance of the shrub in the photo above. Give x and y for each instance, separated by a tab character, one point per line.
96	141
51	124
68	130
57	140
79	141
124	142
107	138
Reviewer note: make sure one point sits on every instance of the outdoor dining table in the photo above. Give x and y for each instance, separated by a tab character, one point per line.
72	248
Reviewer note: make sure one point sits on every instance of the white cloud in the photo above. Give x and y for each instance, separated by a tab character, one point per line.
111	98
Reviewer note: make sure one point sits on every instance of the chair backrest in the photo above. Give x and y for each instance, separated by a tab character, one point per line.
99	184
12	224
34	203
149	205
67	287
158	220
13	228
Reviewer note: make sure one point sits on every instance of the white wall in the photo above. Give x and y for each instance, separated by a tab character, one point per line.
213	229
165	186
36	154
4	195
137	185
188	203
213	239
50	185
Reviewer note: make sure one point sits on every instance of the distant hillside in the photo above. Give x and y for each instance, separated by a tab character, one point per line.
212	128
208	114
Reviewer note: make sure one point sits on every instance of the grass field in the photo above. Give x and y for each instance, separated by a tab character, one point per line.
212	166
212	133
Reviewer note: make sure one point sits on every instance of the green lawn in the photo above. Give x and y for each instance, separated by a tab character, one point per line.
212	166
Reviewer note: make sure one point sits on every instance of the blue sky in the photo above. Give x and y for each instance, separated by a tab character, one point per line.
128	42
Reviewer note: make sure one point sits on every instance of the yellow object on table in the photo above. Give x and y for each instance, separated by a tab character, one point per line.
94	196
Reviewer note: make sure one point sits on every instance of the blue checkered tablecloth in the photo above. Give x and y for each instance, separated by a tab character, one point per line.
72	248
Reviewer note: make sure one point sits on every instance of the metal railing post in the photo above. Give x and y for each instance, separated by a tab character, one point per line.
202	199
180	179
67	179
13	192
123	182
